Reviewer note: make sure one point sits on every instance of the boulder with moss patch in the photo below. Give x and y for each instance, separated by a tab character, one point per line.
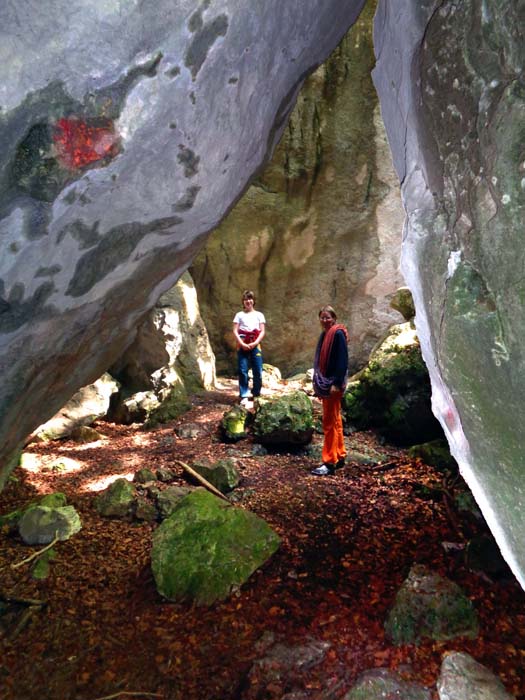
233	424
285	420
222	474
392	394
206	548
42	524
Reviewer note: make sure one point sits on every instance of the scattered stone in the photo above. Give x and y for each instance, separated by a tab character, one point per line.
165	475
62	464
463	678
190	431
222	474
283	670
144	476
41	524
428	605
382	684
285	420
206	548
170	498
116	501
145	510
259	450
85	434
233	424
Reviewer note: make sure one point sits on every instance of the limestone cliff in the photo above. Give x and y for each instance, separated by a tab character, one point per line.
321	224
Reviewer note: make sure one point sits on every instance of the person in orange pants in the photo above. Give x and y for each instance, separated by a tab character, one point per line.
329	382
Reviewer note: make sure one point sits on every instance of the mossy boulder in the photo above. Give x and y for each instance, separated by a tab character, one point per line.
143	476
50	500
285	420
117	500
233	424
206	548
222	474
403	302
428	605
41	524
392	394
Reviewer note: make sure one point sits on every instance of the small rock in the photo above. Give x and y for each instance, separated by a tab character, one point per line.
144	510
40	524
144	476
382	684
190	431
463	678
168	499
116	500
222	474
85	434
165	474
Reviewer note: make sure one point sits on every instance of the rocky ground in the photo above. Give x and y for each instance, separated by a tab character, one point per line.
348	542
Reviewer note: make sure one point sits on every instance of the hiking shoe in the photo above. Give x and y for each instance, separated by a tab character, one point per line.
340	463
323	470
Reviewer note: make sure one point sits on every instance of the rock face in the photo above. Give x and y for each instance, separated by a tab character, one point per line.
463	678
170	357
450	82
321	224
126	134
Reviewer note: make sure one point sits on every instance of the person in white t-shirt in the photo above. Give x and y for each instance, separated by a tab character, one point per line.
249	329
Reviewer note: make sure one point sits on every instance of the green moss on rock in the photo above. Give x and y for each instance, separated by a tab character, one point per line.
286	420
207	547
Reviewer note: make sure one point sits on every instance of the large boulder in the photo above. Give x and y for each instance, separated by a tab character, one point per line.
392	393
284	420
457	144
320	224
127	133
206	547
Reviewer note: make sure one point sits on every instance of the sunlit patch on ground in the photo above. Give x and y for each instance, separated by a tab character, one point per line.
104	481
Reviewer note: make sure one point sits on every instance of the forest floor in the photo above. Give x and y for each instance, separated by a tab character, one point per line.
348	542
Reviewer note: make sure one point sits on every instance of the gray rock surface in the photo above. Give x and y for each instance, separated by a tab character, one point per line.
127	132
463	678
383	684
450	79
88	403
41	524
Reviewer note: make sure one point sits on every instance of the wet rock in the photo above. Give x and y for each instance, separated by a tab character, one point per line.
206	548
463	678
428	605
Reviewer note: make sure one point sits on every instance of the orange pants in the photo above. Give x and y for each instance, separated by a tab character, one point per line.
333	445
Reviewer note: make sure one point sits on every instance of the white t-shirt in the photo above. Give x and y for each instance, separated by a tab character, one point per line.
249	321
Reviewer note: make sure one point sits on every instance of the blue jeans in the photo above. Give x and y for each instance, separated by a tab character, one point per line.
245	359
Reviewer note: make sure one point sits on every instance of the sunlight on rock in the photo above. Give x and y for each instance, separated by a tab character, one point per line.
104	481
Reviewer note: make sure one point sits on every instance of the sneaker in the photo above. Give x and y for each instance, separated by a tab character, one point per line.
323	470
340	463
245	402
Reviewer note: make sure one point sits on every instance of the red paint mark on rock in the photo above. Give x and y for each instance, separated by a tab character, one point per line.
79	143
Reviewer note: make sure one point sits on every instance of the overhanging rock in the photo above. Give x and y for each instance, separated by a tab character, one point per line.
126	133
450	81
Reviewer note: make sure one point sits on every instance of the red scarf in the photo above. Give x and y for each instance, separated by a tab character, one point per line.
326	347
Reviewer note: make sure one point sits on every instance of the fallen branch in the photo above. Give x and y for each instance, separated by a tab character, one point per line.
36	554
129	694
28	614
21	601
202	480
